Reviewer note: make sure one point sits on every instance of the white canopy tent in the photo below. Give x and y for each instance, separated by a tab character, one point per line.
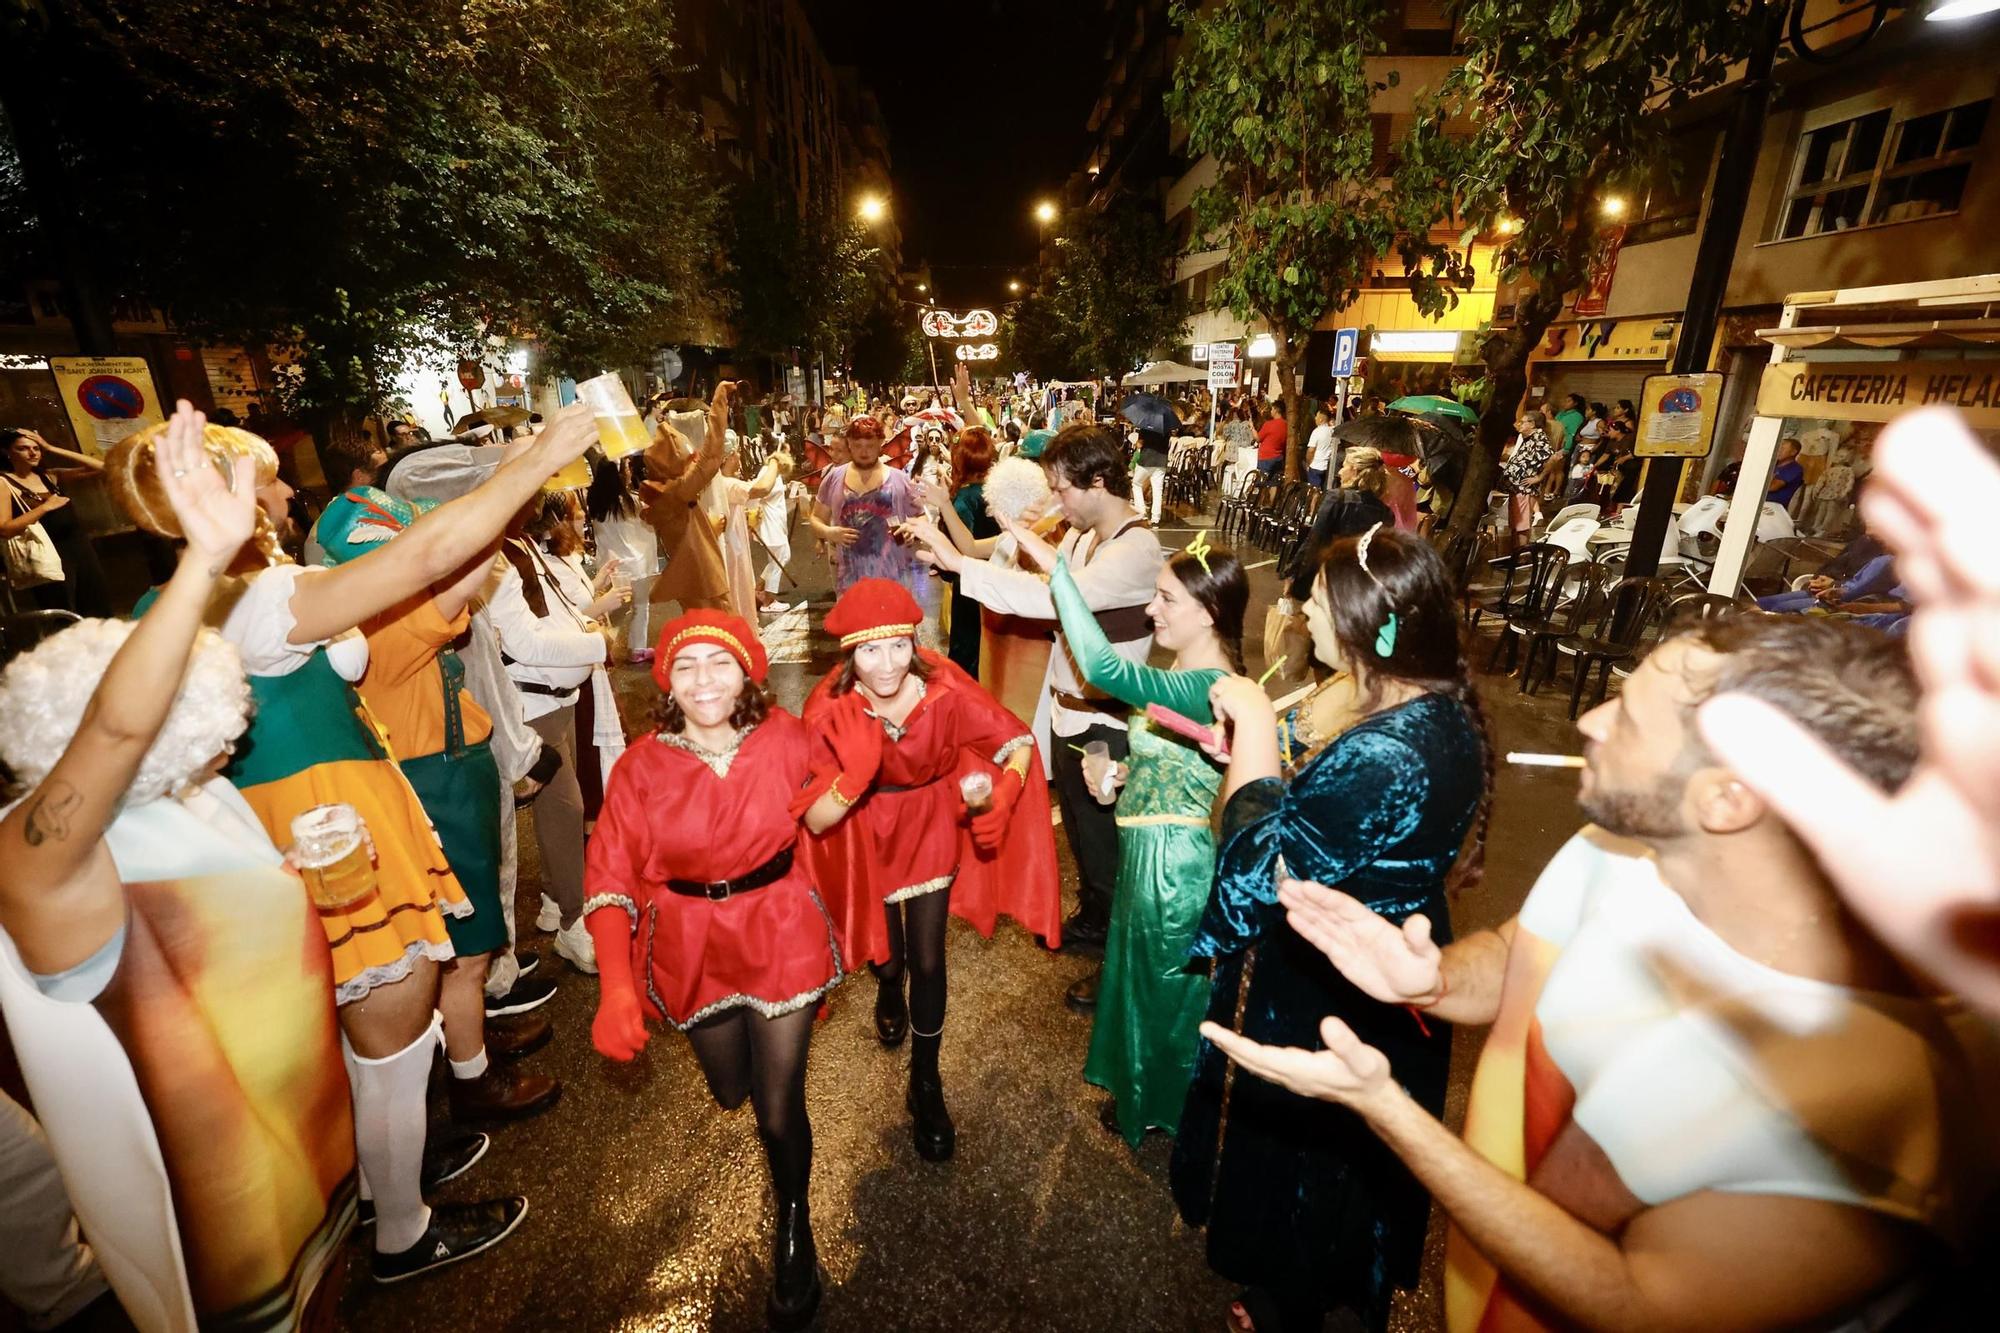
1164	372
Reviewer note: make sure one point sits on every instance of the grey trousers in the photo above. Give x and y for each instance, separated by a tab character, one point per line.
558	812
46	1268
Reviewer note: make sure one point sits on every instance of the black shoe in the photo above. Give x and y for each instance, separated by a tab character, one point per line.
930	1123
795	1281
527	994
892	1011
527	962
448	1155
1081	997
1083	934
457	1231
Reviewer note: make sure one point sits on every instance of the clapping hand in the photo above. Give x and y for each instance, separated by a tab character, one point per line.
216	515
1390	963
1236	701
1922	866
934	495
1348	1072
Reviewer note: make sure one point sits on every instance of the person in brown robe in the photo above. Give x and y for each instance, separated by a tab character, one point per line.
677	476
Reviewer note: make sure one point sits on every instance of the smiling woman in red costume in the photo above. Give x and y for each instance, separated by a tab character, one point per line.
919	843
703	918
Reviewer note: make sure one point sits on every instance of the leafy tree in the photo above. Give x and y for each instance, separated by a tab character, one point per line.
1278	91
1036	338
365	180
1111	287
1551	109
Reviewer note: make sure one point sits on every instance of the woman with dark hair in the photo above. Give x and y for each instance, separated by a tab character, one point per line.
963	511
1148	1004
924	839
626	544
1303	1205
35	495
701	895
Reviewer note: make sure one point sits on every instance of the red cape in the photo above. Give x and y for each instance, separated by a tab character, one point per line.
1021	880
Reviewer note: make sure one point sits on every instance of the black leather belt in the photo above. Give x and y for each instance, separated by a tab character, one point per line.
1077	703
915	786
717	890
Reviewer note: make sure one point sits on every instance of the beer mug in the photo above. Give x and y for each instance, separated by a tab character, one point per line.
571	476
620	432
976	789
330	848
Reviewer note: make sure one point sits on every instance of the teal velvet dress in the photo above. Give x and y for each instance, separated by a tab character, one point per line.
1298	1196
1149	1004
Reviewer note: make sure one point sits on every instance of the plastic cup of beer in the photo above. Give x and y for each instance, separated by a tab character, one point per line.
330	848
571	476
976	789
620	431
1097	769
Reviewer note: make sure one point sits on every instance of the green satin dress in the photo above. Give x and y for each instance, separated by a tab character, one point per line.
1149	1005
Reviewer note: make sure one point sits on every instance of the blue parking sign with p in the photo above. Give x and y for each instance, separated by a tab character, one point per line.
1346	342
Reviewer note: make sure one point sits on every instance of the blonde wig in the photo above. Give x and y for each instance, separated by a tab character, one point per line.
44	692
128	469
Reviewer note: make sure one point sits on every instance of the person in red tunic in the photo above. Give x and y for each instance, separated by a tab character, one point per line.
956	818
702	914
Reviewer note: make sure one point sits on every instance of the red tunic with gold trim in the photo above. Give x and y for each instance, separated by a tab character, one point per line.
908	835
673	811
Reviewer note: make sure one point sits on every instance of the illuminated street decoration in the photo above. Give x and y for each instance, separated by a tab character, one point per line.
977	351
972	324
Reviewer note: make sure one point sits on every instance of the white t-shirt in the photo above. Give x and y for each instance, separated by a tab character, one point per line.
1321	443
1695	1067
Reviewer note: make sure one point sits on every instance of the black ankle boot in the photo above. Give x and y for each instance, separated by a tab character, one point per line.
892	1010
930	1126
795	1284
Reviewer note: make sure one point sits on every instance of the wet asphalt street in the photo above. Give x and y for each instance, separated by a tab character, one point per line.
650	1208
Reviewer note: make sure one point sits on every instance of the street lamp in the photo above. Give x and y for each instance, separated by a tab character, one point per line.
871	207
921	288
1613	207
1045	212
1014	285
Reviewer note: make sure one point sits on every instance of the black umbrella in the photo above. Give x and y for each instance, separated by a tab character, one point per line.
1391	433
1149	411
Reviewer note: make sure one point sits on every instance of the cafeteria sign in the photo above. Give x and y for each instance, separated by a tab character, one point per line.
1881	390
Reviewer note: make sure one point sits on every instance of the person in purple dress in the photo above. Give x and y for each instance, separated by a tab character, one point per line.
860	505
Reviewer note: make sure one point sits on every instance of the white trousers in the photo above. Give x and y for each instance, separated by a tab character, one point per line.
1157	477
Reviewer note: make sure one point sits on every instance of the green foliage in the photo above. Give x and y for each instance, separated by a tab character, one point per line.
1034	337
382	176
1111	286
1553	108
1279	92
806	281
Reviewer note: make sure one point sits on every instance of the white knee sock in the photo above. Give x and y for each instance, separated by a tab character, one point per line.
389	1128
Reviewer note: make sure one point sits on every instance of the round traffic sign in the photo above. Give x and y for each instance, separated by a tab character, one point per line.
110	398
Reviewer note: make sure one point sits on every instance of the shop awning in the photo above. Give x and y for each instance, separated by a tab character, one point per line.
1912	333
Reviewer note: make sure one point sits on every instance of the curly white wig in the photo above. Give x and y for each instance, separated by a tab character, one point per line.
44	692
1016	485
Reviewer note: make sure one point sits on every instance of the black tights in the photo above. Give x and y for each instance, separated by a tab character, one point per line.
916	942
743	1054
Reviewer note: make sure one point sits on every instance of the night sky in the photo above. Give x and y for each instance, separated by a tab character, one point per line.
986	102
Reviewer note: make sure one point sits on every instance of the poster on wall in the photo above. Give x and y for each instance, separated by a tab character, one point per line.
106	397
1677	415
1595	294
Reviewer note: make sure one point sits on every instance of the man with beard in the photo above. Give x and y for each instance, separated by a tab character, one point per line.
1709	1097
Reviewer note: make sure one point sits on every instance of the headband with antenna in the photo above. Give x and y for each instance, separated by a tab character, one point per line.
1385	637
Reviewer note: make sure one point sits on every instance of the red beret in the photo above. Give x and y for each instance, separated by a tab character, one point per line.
874	609
716	627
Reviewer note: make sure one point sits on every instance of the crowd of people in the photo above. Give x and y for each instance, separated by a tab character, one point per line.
1727	1081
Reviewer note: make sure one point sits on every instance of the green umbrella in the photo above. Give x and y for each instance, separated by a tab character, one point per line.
1422	403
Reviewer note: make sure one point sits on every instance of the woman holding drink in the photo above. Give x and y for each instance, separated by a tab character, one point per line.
308	745
952	816
704	919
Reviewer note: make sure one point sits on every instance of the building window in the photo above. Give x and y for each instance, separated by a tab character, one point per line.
1865	171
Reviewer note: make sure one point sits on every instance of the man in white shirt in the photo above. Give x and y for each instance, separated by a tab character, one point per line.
1709	1098
1320	446
1116	560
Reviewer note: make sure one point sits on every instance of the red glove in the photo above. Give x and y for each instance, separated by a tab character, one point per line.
989	827
856	739
619	1030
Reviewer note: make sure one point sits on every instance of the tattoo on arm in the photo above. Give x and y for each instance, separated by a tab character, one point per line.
49	812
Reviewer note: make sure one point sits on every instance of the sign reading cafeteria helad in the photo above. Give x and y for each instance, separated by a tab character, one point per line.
1880	390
